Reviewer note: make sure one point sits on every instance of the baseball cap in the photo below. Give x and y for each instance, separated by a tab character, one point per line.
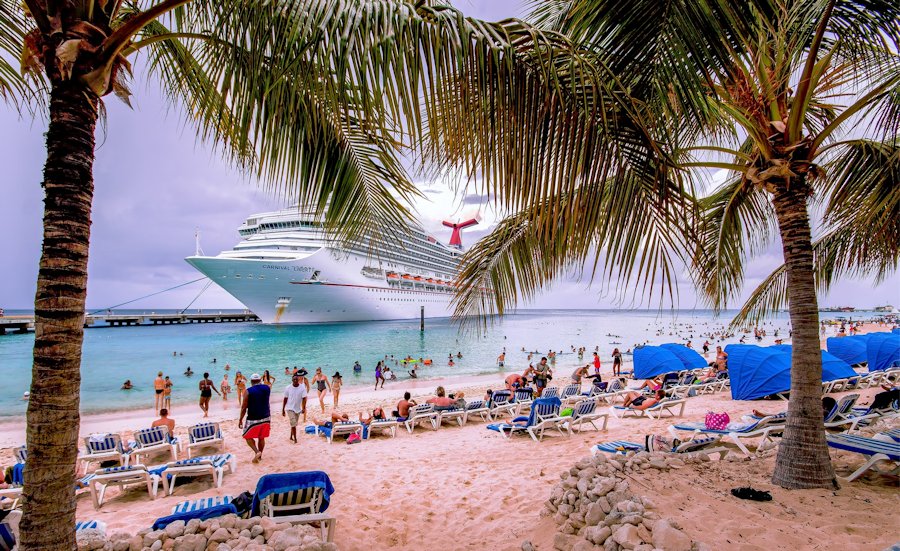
255	377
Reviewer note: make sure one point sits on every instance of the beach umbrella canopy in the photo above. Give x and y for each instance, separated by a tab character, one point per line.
850	349
756	372
650	361
895	331
689	357
832	366
883	351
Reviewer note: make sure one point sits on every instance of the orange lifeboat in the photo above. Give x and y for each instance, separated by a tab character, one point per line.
406	276
418	278
393	275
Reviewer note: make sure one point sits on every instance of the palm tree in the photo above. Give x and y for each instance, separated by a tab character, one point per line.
798	101
316	97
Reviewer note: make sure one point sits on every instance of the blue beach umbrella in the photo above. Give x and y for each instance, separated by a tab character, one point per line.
756	372
850	349
650	361
832	366
895	331
689	357
883	351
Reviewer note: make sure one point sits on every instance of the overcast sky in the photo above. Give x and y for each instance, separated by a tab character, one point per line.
154	184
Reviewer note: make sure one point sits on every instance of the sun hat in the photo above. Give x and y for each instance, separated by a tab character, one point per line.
255	377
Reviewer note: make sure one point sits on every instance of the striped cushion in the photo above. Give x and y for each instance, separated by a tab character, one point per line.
697	444
477	404
105	444
893	434
204	431
89	525
199	504
154	436
21	454
619	446
863	445
551	392
215	460
570	390
585	408
309	497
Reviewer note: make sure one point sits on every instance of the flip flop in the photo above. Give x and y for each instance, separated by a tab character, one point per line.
751	494
257	458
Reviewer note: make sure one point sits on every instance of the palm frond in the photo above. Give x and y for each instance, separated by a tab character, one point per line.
23	90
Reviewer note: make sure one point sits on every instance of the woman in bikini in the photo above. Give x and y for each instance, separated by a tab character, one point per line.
336	382
240	382
636	400
268	379
321	382
206	389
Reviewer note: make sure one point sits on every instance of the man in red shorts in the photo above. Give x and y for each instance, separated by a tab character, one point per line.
255	407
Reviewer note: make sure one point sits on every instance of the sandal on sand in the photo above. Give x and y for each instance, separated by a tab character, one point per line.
257	458
750	493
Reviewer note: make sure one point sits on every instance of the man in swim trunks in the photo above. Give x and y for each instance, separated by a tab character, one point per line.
294	403
542	374
255	407
206	389
159	384
404	405
514	381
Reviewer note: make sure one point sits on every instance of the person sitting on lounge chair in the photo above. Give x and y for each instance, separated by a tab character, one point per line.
403	406
653	384
441	401
336	417
828	404
377	415
636	400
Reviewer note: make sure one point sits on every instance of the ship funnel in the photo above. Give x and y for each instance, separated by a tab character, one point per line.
456	237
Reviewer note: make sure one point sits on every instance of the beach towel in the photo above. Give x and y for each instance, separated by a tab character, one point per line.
202	514
286	482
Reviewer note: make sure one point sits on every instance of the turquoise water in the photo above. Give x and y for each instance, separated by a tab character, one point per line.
112	355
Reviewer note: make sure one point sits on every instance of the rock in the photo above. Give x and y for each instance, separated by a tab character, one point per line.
644	534
583	545
527	546
627	536
283	539
648	503
565	509
598	534
658	464
151	537
644	547
91	539
221	535
190	542
604	486
582	485
700	546
121	545
157	545
192	527
259	539
667	537
256	530
604	505
569	482
594	514
611	545
676	463
245	533
228	521
136	543
563	542
568	528
168	545
588	473
223	547
175	529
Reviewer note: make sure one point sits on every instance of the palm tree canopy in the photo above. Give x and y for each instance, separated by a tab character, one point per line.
319	96
762	89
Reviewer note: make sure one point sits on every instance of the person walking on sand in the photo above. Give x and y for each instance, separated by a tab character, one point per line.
159	385
294	403
206	389
336	382
617	361
255	407
240	382
379	376
321	382
225	387
596	362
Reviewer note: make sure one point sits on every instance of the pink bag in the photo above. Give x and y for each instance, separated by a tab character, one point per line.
717	421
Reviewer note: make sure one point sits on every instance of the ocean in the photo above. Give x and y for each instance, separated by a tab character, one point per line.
112	355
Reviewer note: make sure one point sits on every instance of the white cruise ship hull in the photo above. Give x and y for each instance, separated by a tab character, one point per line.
323	287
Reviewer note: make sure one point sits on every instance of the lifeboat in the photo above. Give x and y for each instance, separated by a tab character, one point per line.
406	276
393	275
418	278
429	280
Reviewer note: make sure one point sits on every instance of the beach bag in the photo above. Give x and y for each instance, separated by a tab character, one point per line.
242	503
354	439
717	421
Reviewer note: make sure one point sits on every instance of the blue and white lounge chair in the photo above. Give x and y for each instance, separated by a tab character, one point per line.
570	391
21	454
200	504
889	436
9	529
666	405
203	435
103	447
154	440
477	407
550	392
122	477
332	430
585	411
875	450
11	494
90	525
523	398
614	389
377	425
456	414
421	413
544	414
766	428
298	498
501	404
213	465
622	447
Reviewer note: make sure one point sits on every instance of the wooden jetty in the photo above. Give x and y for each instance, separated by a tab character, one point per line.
23	324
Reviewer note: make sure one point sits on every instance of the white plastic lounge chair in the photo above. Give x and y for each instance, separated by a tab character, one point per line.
199	504
203	435
421	413
21	454
213	465
455	414
103	447
622	447
344	428
888	436
501	404
842	414
666	405
766	429
122	477
544	414
585	411
154	440
90	525
875	450
523	399
615	389
302	502
390	424
550	392
569	391
13	491
478	408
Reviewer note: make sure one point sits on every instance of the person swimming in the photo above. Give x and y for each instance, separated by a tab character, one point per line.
188	371
127	385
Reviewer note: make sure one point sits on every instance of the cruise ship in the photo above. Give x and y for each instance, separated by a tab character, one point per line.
286	270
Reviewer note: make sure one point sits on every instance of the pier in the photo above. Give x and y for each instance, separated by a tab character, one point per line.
23	324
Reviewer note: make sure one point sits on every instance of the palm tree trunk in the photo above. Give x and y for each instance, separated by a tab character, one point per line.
803	460
48	520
